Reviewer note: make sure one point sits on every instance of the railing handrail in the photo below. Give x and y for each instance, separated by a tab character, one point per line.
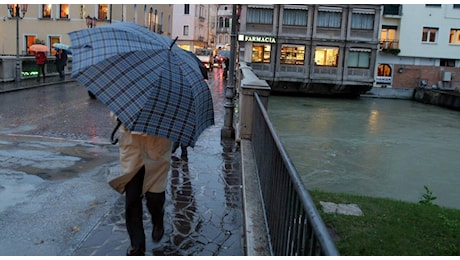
320	236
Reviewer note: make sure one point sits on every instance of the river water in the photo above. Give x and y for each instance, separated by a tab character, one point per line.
386	148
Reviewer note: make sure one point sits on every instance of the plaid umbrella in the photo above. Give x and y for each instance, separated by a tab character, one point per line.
152	85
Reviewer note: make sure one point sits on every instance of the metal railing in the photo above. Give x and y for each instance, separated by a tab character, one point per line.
294	225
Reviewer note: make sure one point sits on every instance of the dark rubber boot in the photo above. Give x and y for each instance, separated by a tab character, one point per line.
134	213
155	203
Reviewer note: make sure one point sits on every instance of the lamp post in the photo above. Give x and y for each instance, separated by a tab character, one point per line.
15	11
227	130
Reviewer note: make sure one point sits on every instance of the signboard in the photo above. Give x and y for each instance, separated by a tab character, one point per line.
255	38
383	79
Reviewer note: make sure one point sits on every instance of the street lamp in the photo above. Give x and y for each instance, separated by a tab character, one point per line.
15	11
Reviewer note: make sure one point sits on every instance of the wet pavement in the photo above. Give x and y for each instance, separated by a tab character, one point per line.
203	209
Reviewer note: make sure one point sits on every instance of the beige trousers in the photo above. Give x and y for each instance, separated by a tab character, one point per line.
138	149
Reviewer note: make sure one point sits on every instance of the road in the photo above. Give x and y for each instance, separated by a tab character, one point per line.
55	160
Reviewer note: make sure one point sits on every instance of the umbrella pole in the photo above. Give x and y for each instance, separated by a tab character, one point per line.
227	130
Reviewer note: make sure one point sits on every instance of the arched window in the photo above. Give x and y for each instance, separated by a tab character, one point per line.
227	22
384	70
221	23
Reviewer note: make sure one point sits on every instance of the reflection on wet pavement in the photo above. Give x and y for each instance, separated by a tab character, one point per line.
203	209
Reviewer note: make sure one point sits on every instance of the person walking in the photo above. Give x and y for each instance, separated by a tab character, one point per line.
145	163
40	58
226	65
61	62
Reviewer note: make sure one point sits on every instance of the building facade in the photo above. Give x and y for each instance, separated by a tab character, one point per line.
312	49
223	25
191	26
50	23
419	46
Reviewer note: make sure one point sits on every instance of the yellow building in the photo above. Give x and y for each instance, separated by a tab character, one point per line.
50	23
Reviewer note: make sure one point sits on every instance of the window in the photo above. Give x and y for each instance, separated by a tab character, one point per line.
261	53
64	11
456	6
227	22
447	63
187	9
388	37
185	30
388	33
260	15
46	11
433	5
359	58
454	37
292	54
30	39
384	70
103	11
52	40
329	19
429	34
295	17
326	56
220	24
362	21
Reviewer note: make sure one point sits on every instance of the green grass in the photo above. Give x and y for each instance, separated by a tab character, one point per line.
391	227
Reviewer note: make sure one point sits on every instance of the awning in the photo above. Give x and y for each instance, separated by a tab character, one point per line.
330	9
261	6
360	50
296	7
363	11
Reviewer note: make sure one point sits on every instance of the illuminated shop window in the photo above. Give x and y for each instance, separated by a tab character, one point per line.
261	53
292	54
64	11
384	70
359	58
326	56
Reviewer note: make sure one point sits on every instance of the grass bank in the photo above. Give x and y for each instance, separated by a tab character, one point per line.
391	227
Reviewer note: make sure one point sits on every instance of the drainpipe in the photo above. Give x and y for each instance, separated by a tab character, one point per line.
347	8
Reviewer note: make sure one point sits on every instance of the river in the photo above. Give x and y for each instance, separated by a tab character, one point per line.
386	148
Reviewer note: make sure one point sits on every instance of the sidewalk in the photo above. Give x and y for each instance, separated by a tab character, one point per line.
203	209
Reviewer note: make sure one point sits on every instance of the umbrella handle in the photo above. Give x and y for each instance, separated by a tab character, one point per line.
113	133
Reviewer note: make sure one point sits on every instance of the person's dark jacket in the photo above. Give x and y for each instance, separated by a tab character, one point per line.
61	60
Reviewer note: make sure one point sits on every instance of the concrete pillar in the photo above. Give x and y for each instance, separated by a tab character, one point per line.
248	85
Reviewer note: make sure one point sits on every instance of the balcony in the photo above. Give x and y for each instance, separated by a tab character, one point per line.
391	47
392	11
